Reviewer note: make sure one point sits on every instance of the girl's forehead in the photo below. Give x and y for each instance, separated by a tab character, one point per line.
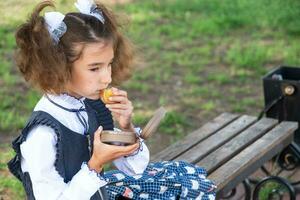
99	50
98	47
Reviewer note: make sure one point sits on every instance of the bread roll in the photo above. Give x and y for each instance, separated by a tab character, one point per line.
105	94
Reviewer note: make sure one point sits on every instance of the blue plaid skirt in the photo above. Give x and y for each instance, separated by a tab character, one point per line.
162	180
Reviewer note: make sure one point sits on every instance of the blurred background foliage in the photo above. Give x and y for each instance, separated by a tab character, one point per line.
199	58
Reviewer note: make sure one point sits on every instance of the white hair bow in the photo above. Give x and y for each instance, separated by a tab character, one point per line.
55	25
90	8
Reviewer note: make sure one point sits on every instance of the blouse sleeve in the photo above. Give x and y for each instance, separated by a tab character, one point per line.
38	157
135	163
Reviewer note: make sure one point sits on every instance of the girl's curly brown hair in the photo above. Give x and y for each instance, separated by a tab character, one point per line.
48	65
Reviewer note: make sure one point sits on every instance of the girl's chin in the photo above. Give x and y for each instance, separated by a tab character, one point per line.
94	97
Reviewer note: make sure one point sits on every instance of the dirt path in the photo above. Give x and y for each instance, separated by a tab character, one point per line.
6	138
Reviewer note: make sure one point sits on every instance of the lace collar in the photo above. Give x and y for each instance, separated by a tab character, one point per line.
67	101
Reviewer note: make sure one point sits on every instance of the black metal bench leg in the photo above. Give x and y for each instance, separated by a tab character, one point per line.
288	160
279	180
247	188
248	191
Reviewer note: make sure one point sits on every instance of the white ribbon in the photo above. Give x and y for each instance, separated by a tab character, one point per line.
55	25
89	7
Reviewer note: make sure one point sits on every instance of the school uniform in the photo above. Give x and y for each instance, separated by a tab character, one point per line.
53	149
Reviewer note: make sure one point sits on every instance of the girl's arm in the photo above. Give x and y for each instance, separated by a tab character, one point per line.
38	157
135	163
39	151
122	110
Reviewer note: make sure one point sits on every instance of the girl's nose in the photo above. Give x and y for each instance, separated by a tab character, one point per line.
107	79
106	76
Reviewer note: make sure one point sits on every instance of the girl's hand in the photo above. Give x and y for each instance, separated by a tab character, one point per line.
121	109
105	153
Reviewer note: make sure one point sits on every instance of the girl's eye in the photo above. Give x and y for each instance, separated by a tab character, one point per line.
94	69
98	68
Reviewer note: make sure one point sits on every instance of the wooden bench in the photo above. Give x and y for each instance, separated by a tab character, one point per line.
231	147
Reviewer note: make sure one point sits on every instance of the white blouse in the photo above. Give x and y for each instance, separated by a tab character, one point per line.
39	151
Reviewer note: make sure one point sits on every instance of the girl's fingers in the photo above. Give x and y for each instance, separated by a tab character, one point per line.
118	151
121	99
119	92
134	150
97	134
124	149
120	112
129	149
117	106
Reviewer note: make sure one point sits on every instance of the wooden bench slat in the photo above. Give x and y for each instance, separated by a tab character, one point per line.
195	137
251	158
215	159
211	143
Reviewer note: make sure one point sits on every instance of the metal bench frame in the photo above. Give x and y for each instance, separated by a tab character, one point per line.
231	148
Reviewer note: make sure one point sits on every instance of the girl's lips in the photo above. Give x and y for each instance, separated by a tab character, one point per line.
102	88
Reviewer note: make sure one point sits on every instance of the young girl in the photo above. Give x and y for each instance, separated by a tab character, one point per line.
59	155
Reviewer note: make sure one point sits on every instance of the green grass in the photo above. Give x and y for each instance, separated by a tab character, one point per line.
271	190
10	187
251	56
201	58
174	124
